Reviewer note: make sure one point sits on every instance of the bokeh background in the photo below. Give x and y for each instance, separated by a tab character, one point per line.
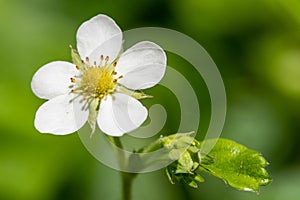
255	44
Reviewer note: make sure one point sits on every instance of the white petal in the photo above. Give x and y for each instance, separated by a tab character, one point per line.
120	114
142	66
99	36
53	79
58	116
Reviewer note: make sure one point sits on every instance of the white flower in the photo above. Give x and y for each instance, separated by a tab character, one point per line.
99	86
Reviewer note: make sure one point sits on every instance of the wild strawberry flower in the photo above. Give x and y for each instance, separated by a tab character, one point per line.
100	85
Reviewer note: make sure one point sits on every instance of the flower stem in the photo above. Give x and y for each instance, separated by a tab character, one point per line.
127	178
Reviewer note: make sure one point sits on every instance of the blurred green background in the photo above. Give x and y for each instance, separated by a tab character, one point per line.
255	44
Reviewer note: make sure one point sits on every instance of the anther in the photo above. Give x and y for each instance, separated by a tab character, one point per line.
72	90
82	61
77	67
87	59
114	73
115	64
106	60
101	59
115	80
95	63
73	80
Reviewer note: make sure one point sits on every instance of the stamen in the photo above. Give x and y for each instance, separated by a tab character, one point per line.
78	76
115	80
84	106
74	98
101	60
95	82
88	103
83	99
73	80
106	60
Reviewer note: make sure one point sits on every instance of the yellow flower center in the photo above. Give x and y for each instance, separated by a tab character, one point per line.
98	81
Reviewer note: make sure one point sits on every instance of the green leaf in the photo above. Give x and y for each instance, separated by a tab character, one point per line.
237	165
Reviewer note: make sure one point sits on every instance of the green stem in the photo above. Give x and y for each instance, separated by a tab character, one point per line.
127	178
120	154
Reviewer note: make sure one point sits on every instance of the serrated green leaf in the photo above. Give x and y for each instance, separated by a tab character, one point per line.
237	165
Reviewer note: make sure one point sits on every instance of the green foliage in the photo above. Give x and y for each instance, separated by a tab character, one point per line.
240	167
